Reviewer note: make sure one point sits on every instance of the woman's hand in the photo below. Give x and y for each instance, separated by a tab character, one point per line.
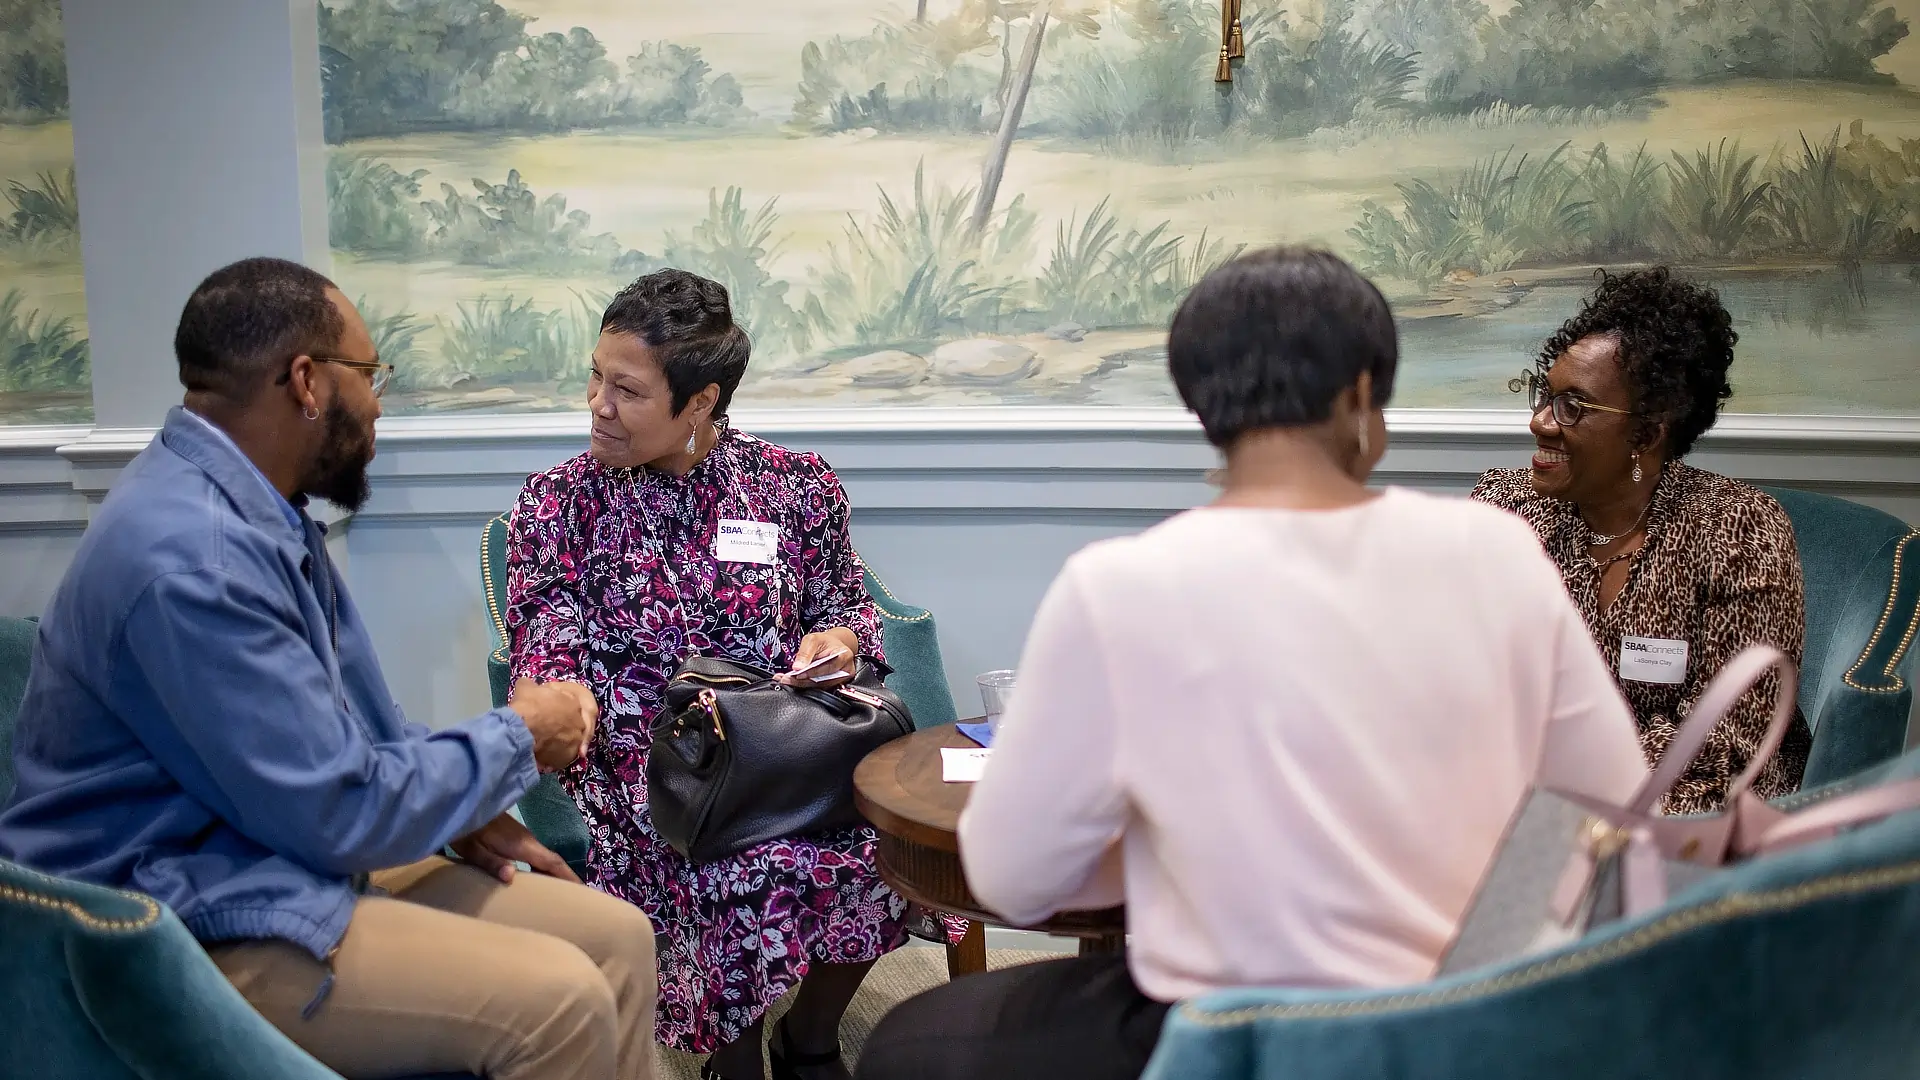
836	672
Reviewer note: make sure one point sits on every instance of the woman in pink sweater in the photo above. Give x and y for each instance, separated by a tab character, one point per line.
1288	729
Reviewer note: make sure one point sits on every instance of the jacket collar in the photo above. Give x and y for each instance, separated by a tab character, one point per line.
237	477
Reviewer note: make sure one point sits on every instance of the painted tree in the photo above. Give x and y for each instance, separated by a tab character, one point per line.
1016	83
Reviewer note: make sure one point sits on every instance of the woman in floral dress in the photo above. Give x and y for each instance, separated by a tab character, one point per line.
617	573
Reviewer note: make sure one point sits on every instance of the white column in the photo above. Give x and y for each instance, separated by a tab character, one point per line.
197	141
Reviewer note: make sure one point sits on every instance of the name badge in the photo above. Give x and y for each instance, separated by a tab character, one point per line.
747	541
1653	660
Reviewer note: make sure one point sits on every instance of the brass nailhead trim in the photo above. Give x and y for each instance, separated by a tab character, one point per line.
1893	596
1722	910
79	914
486	581
888	593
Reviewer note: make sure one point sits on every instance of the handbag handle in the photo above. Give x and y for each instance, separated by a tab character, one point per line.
1830	816
1738	676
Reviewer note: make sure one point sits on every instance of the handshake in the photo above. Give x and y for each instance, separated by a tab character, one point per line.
560	716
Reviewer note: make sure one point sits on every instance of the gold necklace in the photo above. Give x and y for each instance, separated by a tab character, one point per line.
1596	538
1602	564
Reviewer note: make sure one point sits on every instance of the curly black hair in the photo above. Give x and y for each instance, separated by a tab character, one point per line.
1676	344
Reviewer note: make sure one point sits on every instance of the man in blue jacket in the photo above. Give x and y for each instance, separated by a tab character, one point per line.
206	722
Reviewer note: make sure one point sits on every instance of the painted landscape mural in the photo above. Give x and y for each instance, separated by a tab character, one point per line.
498	170
44	374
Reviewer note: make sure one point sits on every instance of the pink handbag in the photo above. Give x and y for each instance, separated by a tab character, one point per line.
1570	863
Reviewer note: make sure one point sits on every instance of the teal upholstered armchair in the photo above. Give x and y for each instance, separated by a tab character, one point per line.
16	656
911	641
547	810
1862	573
97	984
1795	966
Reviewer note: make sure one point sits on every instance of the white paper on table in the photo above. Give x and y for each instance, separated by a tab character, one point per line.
962	764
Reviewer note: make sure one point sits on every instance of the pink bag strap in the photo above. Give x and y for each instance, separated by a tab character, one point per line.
1736	678
1825	818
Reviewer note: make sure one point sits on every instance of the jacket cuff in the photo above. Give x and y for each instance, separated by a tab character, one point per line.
526	772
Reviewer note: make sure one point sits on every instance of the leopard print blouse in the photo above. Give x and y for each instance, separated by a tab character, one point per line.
1719	571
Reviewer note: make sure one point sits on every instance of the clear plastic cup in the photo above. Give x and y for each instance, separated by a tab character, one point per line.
996	687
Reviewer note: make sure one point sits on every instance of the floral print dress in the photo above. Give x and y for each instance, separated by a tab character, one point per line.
613	581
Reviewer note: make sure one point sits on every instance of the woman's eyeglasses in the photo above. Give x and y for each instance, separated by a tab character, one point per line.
1567	407
381	373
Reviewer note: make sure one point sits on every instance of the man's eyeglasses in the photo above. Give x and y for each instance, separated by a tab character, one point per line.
1567	407
382	373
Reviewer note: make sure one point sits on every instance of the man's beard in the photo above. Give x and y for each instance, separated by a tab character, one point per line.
339	472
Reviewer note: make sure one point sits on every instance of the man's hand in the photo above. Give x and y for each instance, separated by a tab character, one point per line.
500	843
560	716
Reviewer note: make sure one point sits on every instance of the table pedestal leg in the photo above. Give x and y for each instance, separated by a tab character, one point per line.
969	957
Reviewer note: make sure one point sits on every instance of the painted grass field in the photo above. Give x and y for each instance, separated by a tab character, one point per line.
1815	340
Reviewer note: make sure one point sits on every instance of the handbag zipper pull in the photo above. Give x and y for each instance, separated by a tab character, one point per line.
863	697
712	705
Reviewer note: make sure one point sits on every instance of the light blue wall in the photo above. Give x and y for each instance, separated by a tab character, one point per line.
197	140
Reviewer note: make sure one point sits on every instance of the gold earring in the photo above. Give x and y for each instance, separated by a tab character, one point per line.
692	441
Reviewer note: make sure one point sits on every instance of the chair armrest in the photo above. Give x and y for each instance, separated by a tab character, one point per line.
551	817
499	676
1867	695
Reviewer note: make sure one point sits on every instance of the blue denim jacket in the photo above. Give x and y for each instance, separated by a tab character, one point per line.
205	720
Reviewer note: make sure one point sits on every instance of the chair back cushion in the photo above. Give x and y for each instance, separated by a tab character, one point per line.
913	651
493	588
547	810
16	658
97	984
493	578
1862	591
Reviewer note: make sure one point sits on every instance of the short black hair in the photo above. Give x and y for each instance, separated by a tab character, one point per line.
1675	346
249	318
1271	339
688	323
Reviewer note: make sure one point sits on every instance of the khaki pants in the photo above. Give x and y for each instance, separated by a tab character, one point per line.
457	972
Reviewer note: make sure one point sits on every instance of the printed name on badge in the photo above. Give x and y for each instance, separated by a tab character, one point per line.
1653	660
747	541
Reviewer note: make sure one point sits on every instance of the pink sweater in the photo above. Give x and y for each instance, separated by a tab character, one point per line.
1306	731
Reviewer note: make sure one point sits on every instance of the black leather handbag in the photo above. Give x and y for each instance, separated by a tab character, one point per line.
739	759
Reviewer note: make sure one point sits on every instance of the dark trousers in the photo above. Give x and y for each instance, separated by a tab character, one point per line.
1080	1019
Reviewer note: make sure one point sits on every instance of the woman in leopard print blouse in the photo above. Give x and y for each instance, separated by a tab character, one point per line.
1675	569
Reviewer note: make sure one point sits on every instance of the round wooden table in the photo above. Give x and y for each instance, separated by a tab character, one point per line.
898	788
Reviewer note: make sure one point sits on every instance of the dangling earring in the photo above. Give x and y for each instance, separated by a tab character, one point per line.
1636	468
311	413
692	442
1363	436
